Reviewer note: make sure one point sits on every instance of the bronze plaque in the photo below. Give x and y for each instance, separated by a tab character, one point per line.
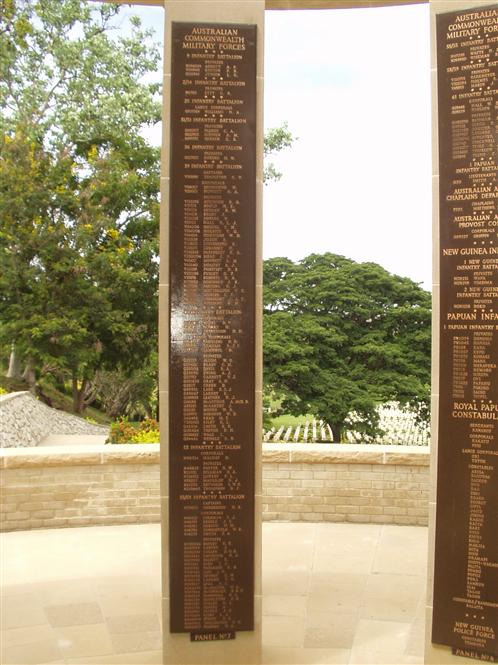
212	327
466	558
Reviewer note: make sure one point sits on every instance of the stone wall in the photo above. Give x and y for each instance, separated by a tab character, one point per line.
25	421
119	484
79	486
346	483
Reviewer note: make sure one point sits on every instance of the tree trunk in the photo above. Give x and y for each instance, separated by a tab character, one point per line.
74	391
336	432
14	371
29	376
78	394
80	406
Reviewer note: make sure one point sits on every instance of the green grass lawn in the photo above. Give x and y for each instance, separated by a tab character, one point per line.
12	385
65	403
290	421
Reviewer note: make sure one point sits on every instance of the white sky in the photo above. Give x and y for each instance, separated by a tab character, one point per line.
354	87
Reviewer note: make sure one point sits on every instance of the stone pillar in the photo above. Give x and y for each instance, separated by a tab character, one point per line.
246	648
436	654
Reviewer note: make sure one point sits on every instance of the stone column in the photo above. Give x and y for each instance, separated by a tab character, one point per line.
436	654
246	648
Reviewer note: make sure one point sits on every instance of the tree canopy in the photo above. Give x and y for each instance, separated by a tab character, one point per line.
79	189
342	337
276	139
79	194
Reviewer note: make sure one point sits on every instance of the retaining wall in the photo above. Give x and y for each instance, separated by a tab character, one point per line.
25	421
346	483
119	484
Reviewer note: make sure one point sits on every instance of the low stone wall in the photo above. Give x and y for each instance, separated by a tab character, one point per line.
79	486
119	484
346	483
25	421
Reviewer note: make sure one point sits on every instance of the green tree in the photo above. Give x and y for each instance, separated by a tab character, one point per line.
79	190
276	139
79	193
343	337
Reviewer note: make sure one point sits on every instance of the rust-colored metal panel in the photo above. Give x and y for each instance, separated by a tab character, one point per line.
466	559
212	327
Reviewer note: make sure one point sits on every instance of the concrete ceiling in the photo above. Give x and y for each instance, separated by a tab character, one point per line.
301	4
336	4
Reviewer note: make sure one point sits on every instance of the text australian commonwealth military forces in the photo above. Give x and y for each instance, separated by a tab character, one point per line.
225	39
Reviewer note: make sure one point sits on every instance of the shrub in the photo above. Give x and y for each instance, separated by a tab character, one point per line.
149	436
122	431
126	396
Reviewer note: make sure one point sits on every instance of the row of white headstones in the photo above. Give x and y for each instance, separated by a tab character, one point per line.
399	428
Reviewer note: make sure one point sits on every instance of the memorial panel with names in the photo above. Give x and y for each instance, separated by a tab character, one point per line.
466	556
212	329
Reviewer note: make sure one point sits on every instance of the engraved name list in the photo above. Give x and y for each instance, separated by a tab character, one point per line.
212	275
466	564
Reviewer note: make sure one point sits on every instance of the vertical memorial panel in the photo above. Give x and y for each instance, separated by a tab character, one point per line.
465	613
212	328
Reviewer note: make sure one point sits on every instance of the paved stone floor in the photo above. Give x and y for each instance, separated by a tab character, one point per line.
333	594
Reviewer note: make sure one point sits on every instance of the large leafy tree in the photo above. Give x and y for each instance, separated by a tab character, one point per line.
79	189
341	337
79	192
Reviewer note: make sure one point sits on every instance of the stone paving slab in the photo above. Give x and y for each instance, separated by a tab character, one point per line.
345	594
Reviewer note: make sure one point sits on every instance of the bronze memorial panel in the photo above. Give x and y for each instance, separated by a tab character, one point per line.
466	558
212	328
